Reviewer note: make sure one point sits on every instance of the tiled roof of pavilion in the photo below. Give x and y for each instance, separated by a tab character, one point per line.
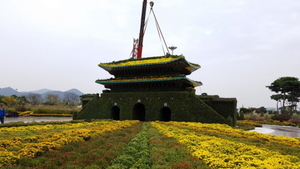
148	61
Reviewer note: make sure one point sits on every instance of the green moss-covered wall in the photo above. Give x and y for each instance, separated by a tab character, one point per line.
182	106
224	106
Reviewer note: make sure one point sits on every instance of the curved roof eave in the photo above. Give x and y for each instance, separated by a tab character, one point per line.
120	81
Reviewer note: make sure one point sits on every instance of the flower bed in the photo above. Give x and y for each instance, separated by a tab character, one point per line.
133	144
95	153
32	146
225	129
221	153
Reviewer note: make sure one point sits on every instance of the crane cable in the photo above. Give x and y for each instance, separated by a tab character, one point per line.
145	27
160	34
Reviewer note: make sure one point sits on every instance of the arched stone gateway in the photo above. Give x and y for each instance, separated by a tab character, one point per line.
115	113
139	112
165	114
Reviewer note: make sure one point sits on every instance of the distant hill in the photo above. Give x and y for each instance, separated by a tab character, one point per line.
8	91
76	91
41	91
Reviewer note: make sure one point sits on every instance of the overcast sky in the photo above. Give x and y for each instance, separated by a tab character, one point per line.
241	45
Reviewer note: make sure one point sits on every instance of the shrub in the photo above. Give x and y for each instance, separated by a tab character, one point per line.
20	108
296	121
241	116
230	121
296	117
281	117
245	110
256	118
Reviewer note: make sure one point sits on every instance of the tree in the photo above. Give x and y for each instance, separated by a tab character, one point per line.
9	100
263	109
71	98
34	98
245	110
204	94
288	90
52	99
1	97
278	99
21	100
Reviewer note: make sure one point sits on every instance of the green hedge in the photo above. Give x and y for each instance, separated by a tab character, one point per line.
49	110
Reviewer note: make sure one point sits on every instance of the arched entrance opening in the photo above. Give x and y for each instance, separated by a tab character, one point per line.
165	114
139	112
115	113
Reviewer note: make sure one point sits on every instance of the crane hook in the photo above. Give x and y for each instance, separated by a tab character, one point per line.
151	4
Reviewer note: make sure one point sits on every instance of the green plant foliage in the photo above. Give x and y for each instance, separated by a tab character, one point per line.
245	110
224	106
230	121
241	116
137	152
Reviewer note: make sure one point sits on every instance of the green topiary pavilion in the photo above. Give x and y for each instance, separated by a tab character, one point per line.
154	88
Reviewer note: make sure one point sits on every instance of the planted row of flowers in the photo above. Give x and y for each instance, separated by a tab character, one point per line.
16	148
222	153
225	129
167	152
53	115
8	130
137	152
266	121
250	122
